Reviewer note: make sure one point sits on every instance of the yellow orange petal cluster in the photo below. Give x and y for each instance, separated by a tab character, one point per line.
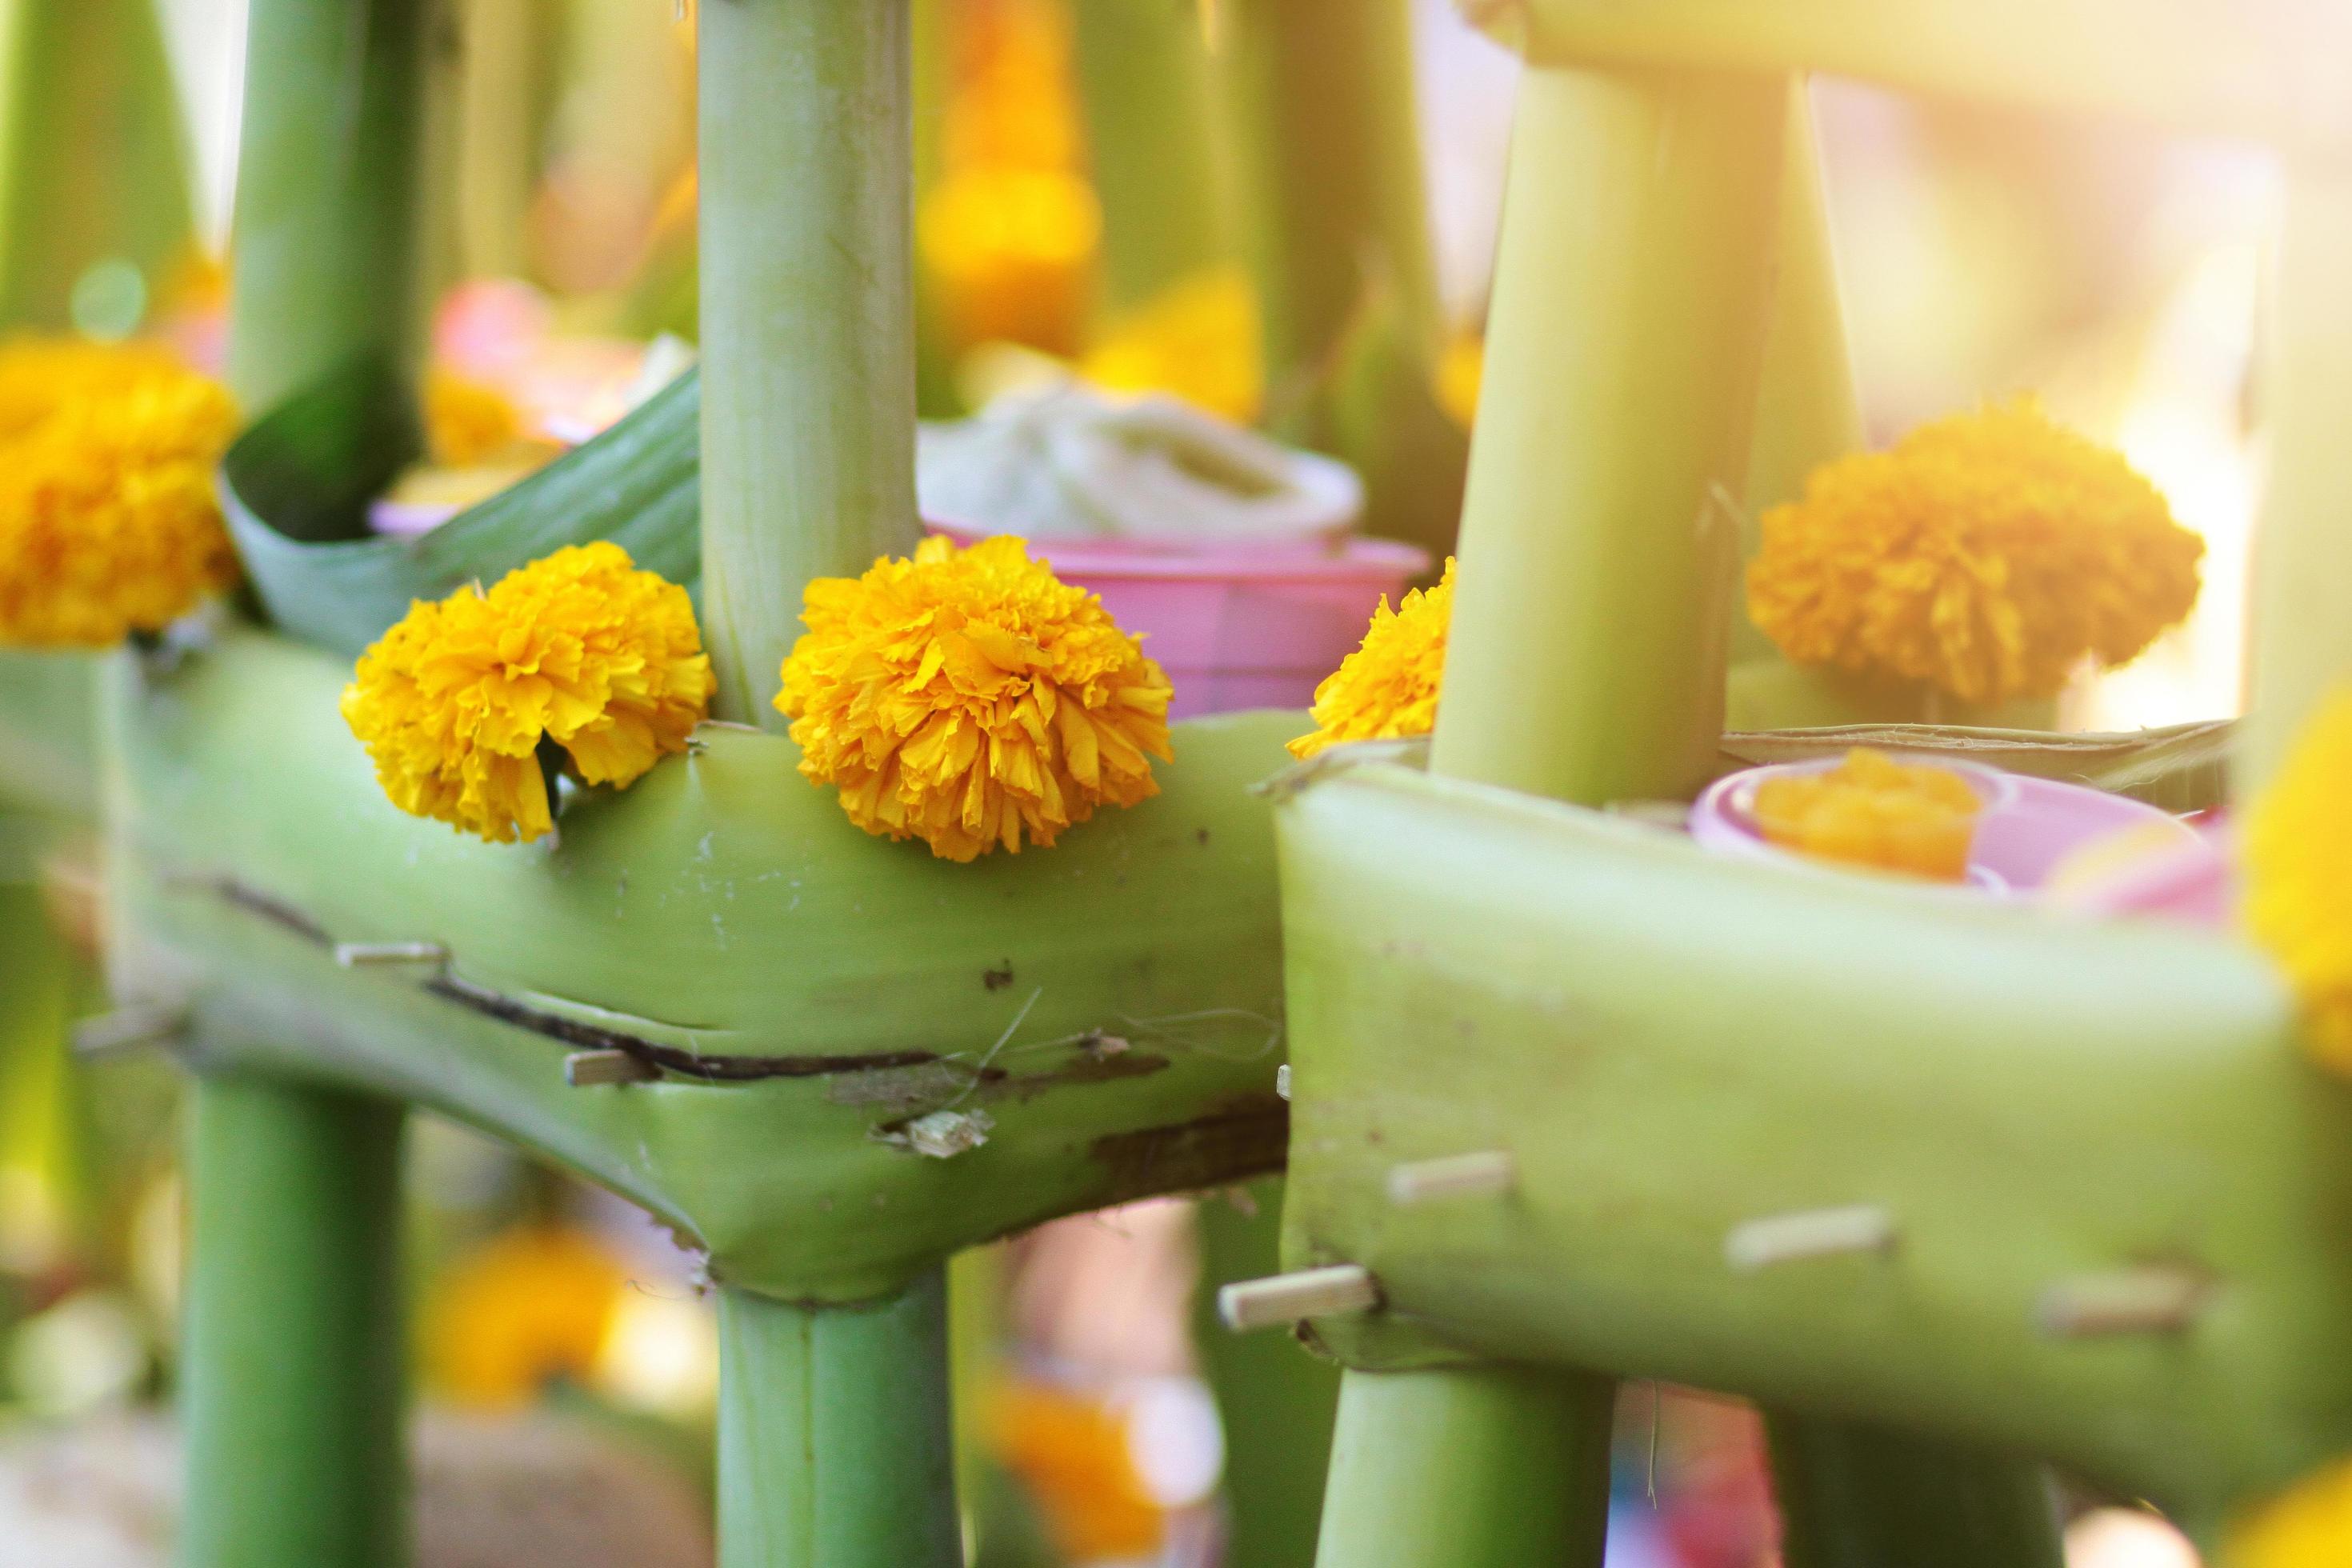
969	698
1387	689
1870	810
1989	553
580	649
109	520
526	1307
2309	1526
2298	877
1197	338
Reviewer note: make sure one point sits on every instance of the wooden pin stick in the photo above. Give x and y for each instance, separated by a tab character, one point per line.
2148	1300
1484	1173
1341	1288
1811	1233
368	955
583	1069
1282	1081
129	1028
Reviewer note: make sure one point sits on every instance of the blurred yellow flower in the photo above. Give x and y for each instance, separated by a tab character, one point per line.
1989	553
466	422
1461	369
1197	338
969	698
580	649
1010	249
1387	689
108	520
523	1308
2298	877
2310	1526
1072	1453
1870	810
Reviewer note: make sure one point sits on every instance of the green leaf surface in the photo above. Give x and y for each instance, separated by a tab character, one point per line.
297	486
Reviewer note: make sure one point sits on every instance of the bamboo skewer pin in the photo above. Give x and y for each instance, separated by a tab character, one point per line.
371	955
1811	1233
584	1070
2125	1302
129	1028
1488	1173
1341	1290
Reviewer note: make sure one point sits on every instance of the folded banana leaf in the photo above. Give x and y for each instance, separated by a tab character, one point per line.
297	486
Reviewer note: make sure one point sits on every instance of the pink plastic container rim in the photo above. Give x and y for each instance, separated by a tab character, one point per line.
2028	826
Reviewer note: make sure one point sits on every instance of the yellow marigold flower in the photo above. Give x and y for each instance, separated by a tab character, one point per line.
1197	338
580	649
2298	877
1987	553
1870	810
1461	371
109	521
1074	1454
524	1308
967	698
1386	687
2309	1526
466	422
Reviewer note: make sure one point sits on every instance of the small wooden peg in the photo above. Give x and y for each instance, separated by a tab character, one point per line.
1282	1081
583	1069
2150	1300
129	1028
1485	1173
1341	1289
368	955
1809	1233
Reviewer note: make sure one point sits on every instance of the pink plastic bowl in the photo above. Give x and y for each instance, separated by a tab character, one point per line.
2028	826
1235	629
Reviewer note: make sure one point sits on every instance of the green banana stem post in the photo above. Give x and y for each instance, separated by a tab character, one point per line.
1143	83
834	1450
93	165
1855	1496
1494	1466
2302	640
1318	100
327	193
808	338
292	1350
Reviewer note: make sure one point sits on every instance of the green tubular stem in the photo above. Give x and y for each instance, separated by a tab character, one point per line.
1274	1399
2302	638
93	165
833	1439
327	209
1857	1495
1597	550
808	334
292	1354
1490	1466
1143	84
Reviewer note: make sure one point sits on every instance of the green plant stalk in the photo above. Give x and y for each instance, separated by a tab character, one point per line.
1490	1466
1143	83
1856	1495
292	1352
1275	1401
2302	639
833	1436
328	201
93	162
1597	543
1317	100
808	326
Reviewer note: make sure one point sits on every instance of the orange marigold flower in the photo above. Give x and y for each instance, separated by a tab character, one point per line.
523	1308
1989	553
580	649
2298	877
969	698
108	520
2308	1526
1388	688
466	422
